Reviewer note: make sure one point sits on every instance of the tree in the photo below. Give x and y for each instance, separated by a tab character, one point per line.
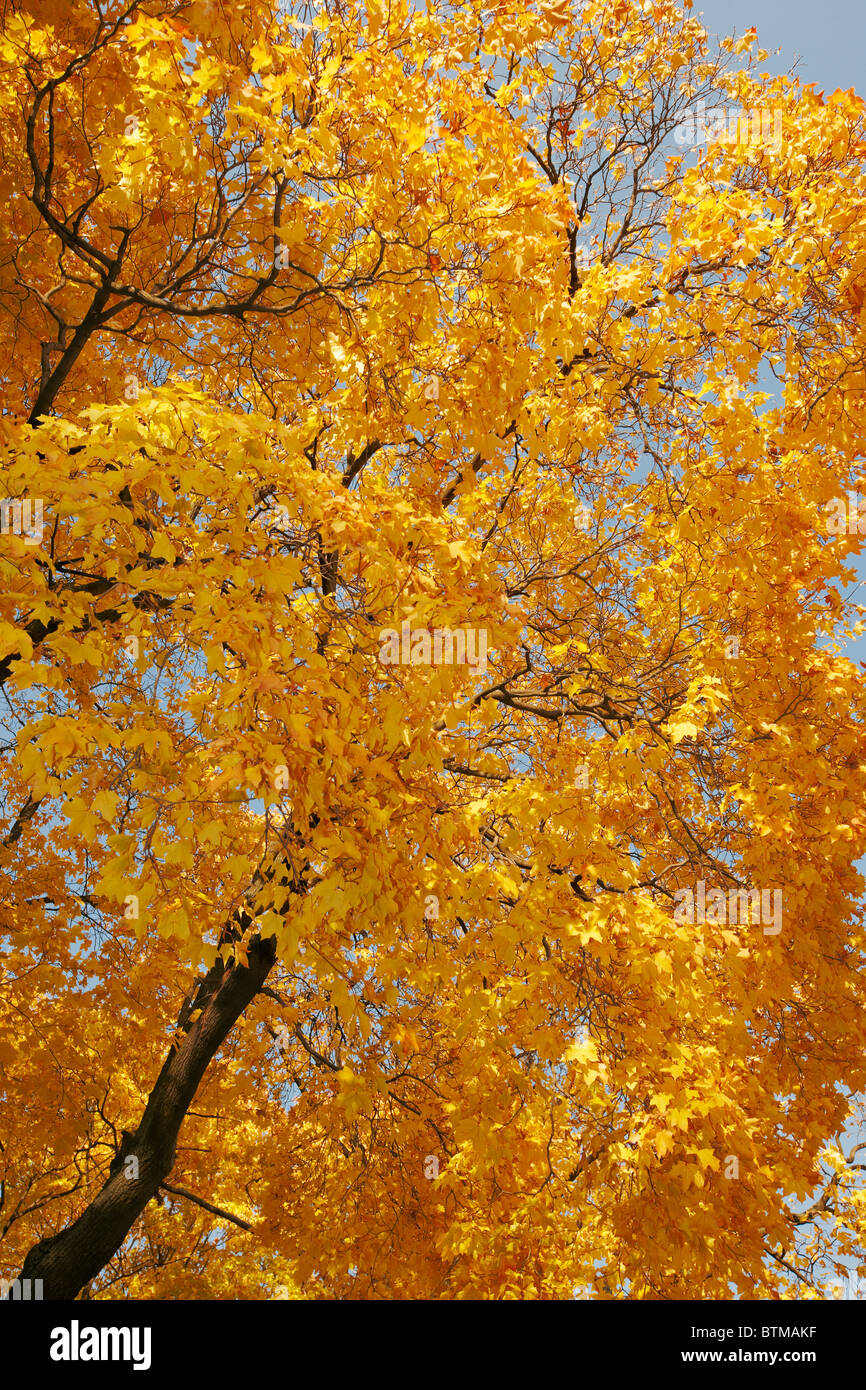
432	779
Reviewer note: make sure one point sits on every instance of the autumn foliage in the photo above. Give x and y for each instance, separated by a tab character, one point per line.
326	976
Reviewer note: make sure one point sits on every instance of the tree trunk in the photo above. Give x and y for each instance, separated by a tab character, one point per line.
68	1261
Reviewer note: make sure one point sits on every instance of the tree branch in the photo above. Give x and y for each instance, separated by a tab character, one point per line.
207	1206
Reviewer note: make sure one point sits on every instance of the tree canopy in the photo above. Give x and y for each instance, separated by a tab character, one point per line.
432	777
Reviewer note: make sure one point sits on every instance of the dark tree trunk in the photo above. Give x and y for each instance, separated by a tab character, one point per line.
68	1261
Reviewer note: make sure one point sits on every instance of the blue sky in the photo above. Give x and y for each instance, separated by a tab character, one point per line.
828	37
